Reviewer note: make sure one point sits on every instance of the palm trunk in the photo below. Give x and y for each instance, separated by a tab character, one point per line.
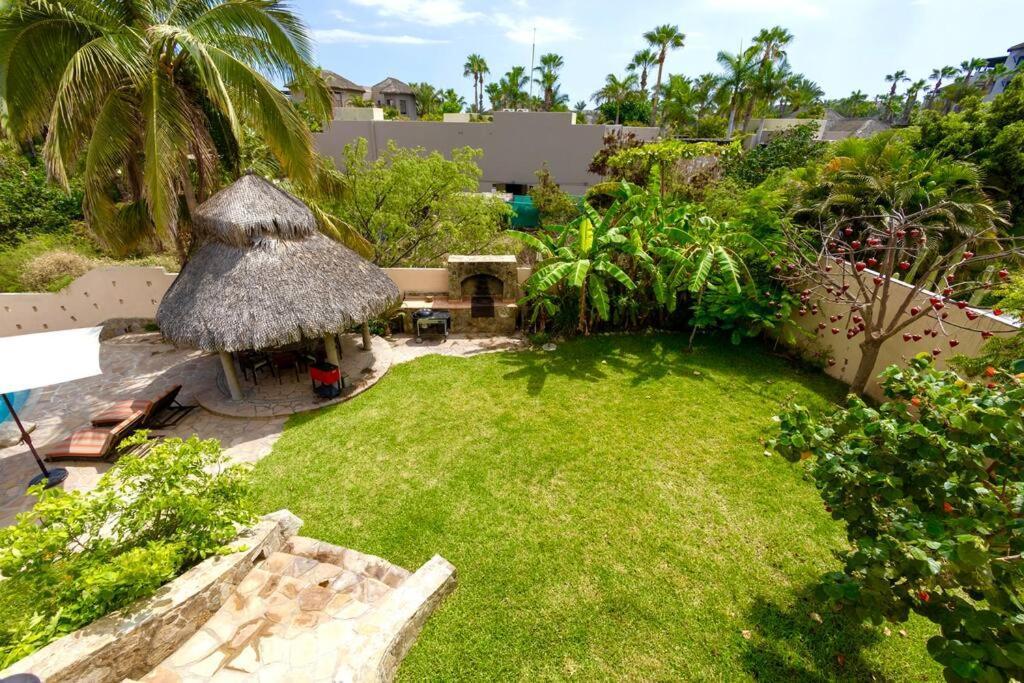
869	349
732	120
657	89
618	109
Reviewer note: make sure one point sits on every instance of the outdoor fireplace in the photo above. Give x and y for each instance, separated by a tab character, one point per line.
481	297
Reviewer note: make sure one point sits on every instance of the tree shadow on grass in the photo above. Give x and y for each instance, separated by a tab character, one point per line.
788	644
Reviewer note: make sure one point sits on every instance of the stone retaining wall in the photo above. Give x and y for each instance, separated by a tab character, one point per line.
130	642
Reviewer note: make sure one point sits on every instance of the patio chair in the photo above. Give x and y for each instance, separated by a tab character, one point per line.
251	362
95	443
282	360
164	411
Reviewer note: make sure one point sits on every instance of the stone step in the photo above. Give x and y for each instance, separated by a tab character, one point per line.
352	560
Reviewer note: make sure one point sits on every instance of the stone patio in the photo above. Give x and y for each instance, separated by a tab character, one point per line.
270	397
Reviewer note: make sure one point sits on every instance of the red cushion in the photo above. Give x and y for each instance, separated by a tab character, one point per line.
91	442
121	411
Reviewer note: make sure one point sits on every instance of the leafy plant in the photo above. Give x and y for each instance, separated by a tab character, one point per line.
930	488
555	206
579	257
791	148
81	555
29	204
413	208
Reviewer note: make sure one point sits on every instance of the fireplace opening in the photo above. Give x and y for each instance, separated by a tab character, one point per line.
481	290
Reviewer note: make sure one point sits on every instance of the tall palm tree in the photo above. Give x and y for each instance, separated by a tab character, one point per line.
472	67
800	92
150	99
481	71
679	102
739	68
938	75
769	47
662	38
969	66
547	77
911	101
495	95
705	89
771	44
643	61
615	90
895	79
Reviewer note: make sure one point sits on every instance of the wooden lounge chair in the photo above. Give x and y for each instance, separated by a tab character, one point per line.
95	443
165	411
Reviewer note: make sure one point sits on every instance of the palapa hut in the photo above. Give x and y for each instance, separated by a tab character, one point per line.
263	276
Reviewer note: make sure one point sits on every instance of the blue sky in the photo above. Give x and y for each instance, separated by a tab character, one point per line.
841	44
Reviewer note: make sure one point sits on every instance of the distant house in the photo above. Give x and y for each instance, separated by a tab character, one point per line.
343	91
392	92
1013	60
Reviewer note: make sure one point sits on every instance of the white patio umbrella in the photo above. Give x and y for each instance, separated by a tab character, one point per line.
29	361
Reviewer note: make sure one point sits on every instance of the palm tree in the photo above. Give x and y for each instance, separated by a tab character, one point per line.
547	77
495	95
911	100
771	43
428	99
451	102
662	38
475	67
481	70
678	105
513	87
705	89
969	66
643	61
150	100
895	79
615	90
938	75
800	92
739	68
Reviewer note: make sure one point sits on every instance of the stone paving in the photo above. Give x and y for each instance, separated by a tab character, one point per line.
311	612
141	364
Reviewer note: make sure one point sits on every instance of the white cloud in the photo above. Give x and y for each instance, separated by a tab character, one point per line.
342	17
341	35
549	29
804	8
427	12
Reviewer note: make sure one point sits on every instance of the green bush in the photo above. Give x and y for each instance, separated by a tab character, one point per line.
29	204
791	148
930	486
77	556
555	207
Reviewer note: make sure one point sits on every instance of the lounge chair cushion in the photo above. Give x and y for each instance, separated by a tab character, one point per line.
91	442
94	443
120	411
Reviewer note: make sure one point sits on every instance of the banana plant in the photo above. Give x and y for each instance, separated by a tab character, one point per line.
702	254
579	257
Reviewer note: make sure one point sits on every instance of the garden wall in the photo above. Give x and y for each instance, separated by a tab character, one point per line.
120	295
846	352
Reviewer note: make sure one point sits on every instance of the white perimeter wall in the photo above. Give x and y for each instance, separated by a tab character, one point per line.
112	293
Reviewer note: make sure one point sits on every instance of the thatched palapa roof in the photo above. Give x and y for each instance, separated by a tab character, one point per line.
263	275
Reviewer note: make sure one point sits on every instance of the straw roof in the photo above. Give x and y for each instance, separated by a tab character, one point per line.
265	276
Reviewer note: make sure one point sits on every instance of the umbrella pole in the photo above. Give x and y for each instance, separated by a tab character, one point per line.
51	477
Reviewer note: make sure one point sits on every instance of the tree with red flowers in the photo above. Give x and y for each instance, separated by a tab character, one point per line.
895	238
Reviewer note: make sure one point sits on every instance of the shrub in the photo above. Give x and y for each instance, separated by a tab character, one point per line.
29	204
77	556
791	148
555	206
930	488
53	270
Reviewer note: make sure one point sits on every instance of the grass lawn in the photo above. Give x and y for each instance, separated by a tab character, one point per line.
609	509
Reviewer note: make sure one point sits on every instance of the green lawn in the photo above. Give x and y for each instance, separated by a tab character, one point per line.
609	509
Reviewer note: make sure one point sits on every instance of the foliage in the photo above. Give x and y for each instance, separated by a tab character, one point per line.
631	110
29	205
929	486
81	555
579	258
991	135
877	212
150	99
414	208
613	142
660	161
792	148
53	270
856	105
555	207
